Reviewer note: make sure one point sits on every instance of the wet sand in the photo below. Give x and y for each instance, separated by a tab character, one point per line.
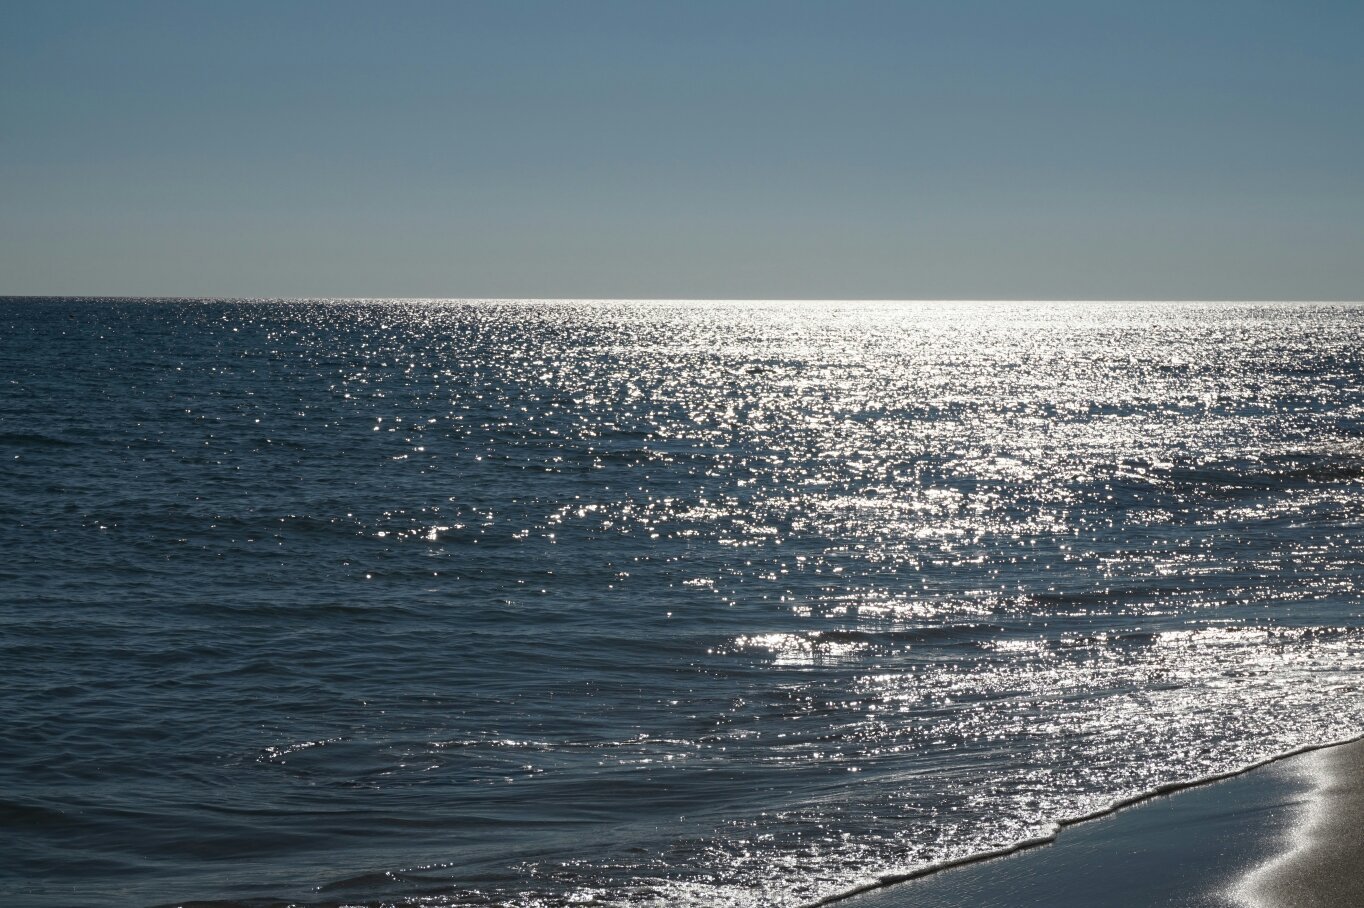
1323	865
1286	835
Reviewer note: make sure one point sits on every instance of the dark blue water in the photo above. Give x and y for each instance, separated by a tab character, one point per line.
714	604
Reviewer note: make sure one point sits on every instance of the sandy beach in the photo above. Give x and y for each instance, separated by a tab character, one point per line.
1284	835
1322	865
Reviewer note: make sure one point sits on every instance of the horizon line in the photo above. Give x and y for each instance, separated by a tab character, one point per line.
663	299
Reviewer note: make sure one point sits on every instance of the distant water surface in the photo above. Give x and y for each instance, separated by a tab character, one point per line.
646	604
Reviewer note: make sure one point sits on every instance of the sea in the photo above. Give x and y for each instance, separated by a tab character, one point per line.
722	604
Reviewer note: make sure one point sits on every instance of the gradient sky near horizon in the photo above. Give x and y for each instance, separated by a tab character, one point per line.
972	149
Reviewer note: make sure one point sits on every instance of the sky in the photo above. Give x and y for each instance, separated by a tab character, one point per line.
973	149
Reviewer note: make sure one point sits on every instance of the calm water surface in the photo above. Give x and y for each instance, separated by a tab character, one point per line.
712	604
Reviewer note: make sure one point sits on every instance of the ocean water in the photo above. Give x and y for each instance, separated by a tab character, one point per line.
720	604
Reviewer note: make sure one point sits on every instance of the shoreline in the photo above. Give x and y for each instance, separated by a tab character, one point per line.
1324	863
1293	788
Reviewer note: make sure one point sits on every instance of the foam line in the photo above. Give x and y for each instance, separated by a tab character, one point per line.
1169	788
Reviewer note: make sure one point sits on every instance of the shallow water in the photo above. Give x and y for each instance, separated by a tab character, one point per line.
1193	849
685	604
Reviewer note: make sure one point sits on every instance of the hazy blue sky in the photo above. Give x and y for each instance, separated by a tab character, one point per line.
781	149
